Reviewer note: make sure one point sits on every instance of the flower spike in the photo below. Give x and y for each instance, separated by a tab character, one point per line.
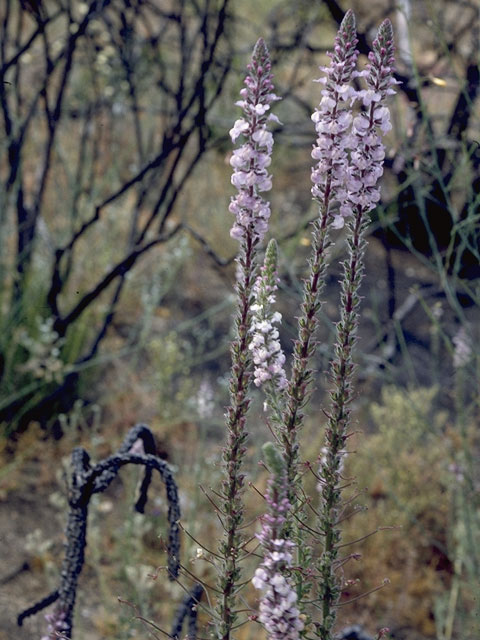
332	121
278	611
267	353
250	161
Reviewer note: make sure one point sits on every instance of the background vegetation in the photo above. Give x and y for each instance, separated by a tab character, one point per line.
116	273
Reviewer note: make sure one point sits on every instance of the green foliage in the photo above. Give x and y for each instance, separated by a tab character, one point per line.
405	420
35	359
406	465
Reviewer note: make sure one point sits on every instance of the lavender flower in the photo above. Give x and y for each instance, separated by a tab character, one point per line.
250	176
278	613
366	158
332	120
250	161
267	353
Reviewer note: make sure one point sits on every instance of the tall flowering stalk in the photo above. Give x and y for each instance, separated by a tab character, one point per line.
332	120
366	166
250	162
278	611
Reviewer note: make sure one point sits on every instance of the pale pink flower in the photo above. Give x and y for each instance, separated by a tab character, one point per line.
332	121
367	155
56	625
267	353
278	611
238	128
250	161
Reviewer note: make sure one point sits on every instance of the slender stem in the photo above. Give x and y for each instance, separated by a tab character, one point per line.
336	433
305	346
235	450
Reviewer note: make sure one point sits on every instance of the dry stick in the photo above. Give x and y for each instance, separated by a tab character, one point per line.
188	609
86	481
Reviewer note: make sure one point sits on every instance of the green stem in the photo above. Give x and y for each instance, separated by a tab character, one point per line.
235	450
336	434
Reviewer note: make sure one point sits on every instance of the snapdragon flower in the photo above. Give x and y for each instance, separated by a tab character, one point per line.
251	161
367	156
278	612
333	119
267	353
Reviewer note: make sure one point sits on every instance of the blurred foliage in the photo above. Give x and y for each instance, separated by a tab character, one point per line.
407	466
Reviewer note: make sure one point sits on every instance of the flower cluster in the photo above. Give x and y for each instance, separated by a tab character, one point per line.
348	149
278	612
267	353
333	119
251	160
56	625
349	161
366	159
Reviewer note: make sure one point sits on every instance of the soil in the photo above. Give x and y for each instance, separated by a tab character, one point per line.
22	578
31	547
